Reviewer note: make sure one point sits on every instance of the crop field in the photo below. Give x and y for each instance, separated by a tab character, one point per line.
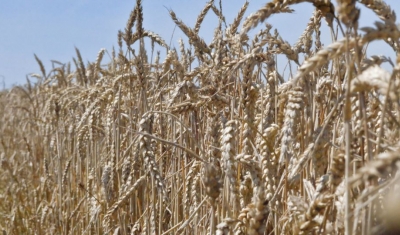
211	138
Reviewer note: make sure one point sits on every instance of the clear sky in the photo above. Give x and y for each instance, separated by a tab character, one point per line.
53	28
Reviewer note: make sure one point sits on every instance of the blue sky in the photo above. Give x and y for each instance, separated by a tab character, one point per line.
53	28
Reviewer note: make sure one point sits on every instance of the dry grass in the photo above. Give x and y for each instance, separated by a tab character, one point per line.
213	140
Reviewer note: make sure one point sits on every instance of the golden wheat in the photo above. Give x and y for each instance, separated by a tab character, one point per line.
213	139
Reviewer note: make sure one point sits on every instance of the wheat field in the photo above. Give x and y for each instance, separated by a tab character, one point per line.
211	139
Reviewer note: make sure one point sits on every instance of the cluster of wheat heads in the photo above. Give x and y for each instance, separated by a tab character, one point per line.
211	140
